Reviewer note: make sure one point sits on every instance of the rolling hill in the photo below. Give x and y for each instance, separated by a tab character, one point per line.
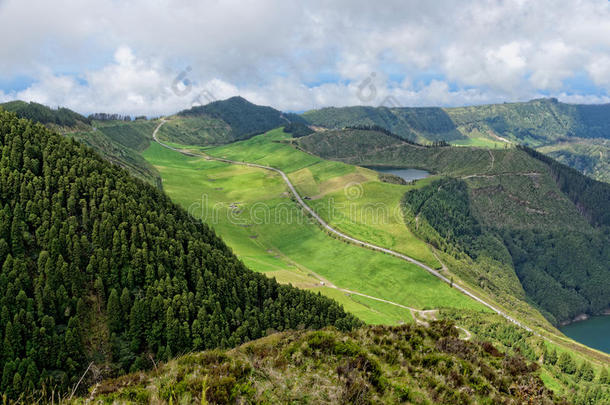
512	210
101	269
575	134
222	122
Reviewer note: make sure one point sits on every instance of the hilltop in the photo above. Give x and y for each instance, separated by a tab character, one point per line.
222	122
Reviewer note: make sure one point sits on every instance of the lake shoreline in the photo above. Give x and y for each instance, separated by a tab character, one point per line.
592	332
583	317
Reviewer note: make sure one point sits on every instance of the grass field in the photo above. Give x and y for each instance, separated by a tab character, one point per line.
251	209
348	197
480	142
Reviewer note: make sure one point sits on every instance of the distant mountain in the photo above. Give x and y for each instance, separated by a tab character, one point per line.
577	135
223	122
100	268
509	220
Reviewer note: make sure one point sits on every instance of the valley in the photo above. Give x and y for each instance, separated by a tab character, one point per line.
305	212
283	202
272	235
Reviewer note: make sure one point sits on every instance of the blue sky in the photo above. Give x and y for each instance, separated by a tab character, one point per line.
126	56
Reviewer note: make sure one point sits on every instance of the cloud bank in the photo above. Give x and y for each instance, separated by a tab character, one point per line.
158	56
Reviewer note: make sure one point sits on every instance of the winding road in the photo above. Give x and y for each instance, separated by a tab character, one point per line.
344	236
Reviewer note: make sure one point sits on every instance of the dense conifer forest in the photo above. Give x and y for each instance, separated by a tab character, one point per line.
99	267
564	272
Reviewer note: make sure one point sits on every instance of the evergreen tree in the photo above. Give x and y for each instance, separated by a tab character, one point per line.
566	363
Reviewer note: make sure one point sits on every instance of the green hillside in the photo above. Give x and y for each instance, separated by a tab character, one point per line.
404	364
222	122
118	141
588	156
428	123
575	133
508	212
252	211
60	117
101	269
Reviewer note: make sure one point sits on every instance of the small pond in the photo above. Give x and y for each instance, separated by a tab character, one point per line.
406	173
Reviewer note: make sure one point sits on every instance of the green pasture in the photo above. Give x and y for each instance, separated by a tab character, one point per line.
252	211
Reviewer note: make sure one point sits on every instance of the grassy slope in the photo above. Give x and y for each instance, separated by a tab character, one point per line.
120	143
299	251
348	197
196	130
135	135
404	364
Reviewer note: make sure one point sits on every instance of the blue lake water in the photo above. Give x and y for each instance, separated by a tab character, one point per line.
405	173
594	332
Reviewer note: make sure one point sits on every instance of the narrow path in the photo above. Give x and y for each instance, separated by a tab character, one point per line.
491	176
344	236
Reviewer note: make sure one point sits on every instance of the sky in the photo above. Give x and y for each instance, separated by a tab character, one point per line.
157	57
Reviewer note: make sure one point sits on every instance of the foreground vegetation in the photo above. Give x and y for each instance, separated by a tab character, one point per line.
404	364
580	378
251	209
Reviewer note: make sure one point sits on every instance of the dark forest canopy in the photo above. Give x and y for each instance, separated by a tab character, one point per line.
97	266
565	272
244	118
40	113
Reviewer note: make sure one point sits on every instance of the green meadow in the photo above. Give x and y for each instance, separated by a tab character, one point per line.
348	197
253	212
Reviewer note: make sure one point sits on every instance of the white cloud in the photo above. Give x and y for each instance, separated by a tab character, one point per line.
122	56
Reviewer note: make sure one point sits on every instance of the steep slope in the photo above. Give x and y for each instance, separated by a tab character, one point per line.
117	141
61	117
120	143
100	268
223	122
405	364
509	212
537	123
